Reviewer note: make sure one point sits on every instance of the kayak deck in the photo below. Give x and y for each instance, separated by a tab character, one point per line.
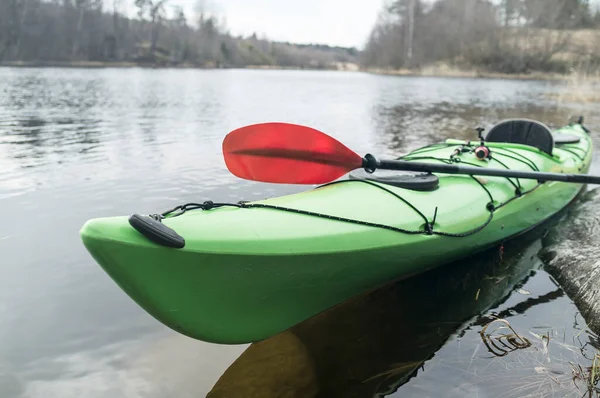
248	273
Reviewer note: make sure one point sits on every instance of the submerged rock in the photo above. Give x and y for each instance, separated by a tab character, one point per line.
571	254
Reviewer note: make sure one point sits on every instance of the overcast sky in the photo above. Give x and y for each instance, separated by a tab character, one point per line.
334	22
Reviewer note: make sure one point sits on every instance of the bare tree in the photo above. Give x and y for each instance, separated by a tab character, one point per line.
12	16
557	14
410	37
59	31
154	9
81	6
508	36
512	9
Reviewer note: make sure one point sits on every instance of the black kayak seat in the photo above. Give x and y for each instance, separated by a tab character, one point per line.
523	131
566	139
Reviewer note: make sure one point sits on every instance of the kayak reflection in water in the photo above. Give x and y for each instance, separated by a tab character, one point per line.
372	344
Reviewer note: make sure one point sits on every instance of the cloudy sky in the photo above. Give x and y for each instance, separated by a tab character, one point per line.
333	22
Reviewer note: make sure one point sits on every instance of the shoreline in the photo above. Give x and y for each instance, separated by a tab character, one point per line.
470	74
127	64
431	71
451	72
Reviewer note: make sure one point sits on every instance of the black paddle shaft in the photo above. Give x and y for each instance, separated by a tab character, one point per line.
371	163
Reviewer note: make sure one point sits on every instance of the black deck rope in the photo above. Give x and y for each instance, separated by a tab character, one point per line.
487	191
456	159
428	148
519	157
518	184
335	218
428	226
517	188
469	144
443	160
522	159
575	153
571	149
539	184
386	190
179	210
470	232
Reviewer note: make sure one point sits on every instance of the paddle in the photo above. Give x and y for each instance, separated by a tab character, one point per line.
293	154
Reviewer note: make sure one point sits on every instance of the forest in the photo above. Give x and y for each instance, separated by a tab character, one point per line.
509	36
505	36
50	32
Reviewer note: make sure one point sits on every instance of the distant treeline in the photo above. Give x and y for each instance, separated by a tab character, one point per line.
71	31
511	36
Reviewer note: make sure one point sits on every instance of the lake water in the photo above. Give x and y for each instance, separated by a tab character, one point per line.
82	143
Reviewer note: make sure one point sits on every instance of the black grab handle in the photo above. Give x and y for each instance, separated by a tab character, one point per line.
156	231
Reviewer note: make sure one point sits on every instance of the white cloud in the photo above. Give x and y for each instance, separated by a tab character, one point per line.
333	22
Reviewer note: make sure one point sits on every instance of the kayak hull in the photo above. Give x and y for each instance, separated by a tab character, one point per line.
246	274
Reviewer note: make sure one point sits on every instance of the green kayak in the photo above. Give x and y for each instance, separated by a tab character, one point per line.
242	272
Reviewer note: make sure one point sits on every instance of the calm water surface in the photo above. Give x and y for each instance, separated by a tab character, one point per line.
77	144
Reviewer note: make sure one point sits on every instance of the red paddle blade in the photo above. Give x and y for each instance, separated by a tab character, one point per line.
287	154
